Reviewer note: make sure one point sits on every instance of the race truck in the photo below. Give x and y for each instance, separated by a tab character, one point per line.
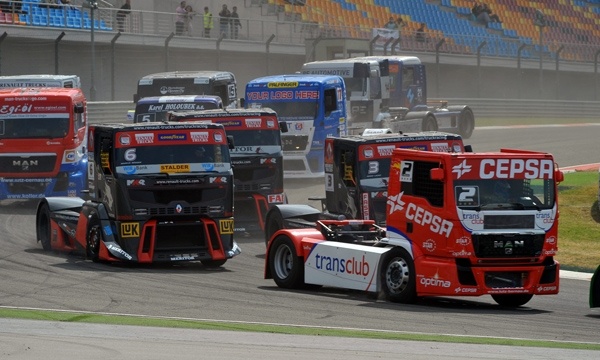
391	92
42	142
458	224
257	160
595	289
357	171
157	192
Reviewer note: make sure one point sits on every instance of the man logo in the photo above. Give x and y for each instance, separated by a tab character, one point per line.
130	230
226	226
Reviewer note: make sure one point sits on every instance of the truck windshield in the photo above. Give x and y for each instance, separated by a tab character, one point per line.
179	159
174	86
355	85
293	110
500	194
27	128
374	174
255	137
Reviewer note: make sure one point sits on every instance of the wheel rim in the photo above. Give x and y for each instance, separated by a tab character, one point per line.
93	241
397	276
283	261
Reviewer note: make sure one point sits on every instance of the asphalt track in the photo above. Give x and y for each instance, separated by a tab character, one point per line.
32	278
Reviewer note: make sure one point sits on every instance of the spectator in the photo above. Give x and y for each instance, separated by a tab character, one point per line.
479	14
67	4
122	13
189	16
224	15
208	22
180	21
391	24
235	22
420	33
493	17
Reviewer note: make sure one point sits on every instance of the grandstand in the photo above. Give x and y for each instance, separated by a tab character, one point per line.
571	30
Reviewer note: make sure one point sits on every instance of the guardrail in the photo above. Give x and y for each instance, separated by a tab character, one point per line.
116	111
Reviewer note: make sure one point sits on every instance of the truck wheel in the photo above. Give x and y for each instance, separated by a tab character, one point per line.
273	223
398	276
94	237
430	123
213	263
512	300
466	124
285	265
43	226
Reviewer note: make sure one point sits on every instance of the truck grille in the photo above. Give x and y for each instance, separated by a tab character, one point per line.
15	164
509	222
508	245
185	210
294	143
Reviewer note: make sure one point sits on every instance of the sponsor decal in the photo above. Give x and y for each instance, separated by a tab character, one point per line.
183	257
217	180
199	136
268	161
350	266
365	205
144	138
282	84
396	203
226	226
464	290
253	123
466	195
434	281
547	288
426	218
464	241
175	168
276	198
429	245
368	152
461	253
172	137
270	123
551	240
136	182
515	168
107	230
178	208
385	150
218	137
70	156
124	139
440	147
461	169
130	230
298	126
546	218
120	251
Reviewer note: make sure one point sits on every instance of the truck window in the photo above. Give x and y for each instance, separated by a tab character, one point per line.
408	77
423	186
330	101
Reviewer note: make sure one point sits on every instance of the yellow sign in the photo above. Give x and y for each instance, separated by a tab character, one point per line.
282	84
226	226
130	230
175	168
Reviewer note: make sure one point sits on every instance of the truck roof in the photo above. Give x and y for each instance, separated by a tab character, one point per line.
297	78
40	91
179	98
407	60
387	138
208	74
160	126
214	113
38	80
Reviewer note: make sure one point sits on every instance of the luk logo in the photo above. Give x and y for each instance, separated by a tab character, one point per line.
130	229
226	226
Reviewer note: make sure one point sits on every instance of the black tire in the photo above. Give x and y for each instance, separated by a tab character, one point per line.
512	300
213	263
43	226
430	123
93	239
398	280
273	223
286	267
466	123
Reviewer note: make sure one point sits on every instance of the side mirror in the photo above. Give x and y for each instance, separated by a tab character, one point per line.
283	127
78	108
559	176
230	142
437	174
468	148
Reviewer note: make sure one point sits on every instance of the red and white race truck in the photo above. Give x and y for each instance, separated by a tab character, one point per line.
458	224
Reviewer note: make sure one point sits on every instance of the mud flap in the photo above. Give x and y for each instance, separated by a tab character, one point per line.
595	289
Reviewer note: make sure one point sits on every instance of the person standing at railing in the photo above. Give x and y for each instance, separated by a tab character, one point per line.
235	23
224	15
181	15
208	22
122	13
189	16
